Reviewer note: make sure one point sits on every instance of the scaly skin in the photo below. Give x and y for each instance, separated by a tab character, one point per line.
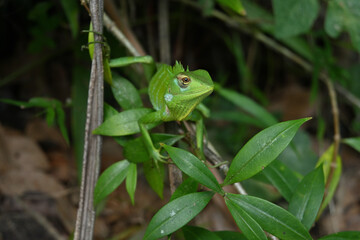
174	93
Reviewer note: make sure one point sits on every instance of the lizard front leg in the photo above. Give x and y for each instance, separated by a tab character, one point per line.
154	153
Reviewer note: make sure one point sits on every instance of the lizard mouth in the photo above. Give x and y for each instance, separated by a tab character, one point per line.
206	91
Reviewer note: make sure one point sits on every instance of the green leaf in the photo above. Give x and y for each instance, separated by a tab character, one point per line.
136	152
131	180
344	15
43	102
125	93
71	9
284	179
325	160
266	21
271	217
108	77
53	109
125	61
80	83
20	104
60	119
155	176
110	179
176	214
33	102
198	233
293	17
109	111
332	185
247	105
237	117
206	6
353	142
299	155
124	123
91	40
261	150
306	201
347	235
50	116
193	167
234	5
250	228
186	187
228	235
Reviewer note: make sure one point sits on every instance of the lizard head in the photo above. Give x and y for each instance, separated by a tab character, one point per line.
186	90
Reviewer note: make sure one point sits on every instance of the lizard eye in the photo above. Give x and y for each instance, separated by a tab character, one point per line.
183	80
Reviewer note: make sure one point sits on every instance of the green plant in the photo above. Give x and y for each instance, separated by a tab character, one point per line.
279	155
259	157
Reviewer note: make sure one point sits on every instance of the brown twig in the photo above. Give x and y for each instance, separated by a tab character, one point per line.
111	26
164	36
92	146
122	24
175	175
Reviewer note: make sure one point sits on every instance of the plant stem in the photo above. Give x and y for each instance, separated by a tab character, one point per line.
92	145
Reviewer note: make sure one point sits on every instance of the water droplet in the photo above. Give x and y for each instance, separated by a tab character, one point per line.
172	213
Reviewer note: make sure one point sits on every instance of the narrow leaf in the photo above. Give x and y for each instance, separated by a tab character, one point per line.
60	119
110	179
284	179
332	185
271	217
131	180
234	5
176	214
198	233
50	116
193	167
248	105
325	160
261	150
124	123
71	9
33	102
237	117
347	235
353	142
155	176
308	196
245	222
20	104
125	93
125	61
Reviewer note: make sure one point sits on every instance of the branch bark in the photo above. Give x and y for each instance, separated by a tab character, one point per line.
175	175
92	147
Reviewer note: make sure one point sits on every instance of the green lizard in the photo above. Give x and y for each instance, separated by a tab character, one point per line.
174	93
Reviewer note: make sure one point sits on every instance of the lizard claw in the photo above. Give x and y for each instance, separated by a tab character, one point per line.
156	155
